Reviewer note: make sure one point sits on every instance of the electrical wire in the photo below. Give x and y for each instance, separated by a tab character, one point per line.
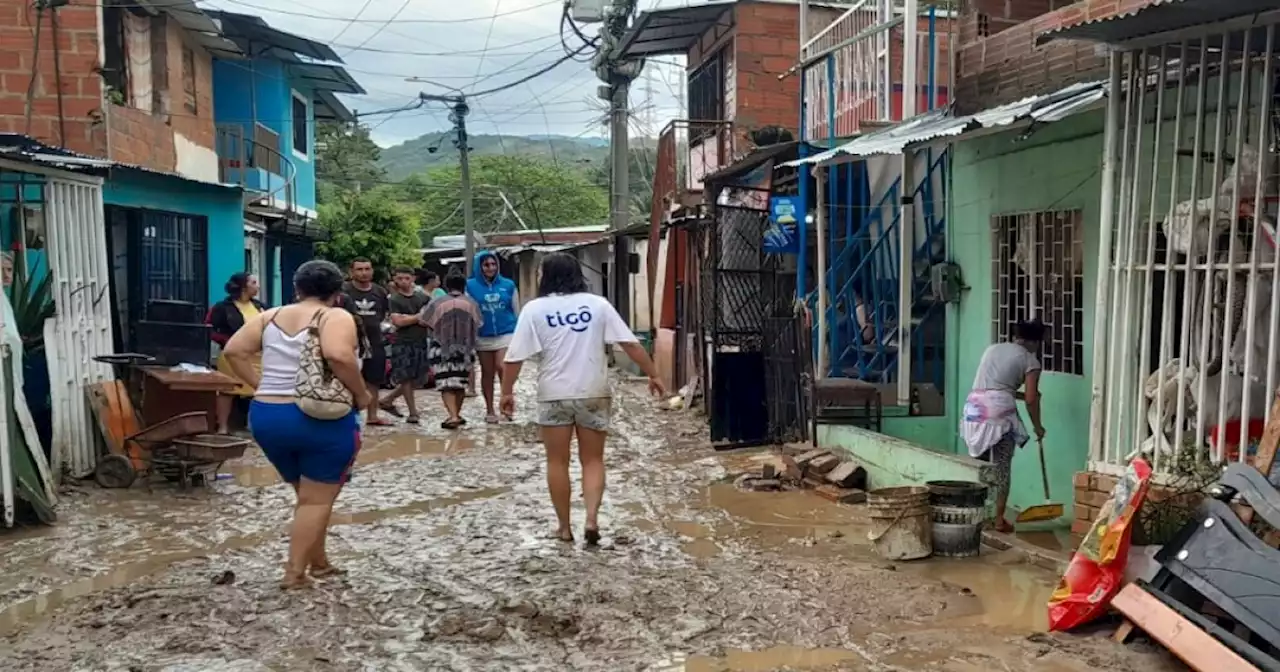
497	5
527	78
352	21
381	28
357	18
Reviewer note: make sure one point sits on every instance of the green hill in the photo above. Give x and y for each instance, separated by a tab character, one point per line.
414	156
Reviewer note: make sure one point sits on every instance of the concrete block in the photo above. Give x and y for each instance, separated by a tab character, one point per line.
848	475
821	465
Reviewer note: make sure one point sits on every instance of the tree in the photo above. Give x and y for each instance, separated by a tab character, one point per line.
346	160
545	195
369	224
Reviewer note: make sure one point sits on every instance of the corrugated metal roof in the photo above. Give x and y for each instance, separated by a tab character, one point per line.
943	124
1157	16
25	148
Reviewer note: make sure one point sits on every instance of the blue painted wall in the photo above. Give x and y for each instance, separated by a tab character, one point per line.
222	206
262	90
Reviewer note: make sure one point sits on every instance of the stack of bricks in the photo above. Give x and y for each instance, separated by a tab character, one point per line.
1092	490
1001	63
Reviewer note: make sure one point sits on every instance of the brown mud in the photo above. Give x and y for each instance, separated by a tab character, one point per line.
449	569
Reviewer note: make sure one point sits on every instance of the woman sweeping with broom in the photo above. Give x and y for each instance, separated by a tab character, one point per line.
991	426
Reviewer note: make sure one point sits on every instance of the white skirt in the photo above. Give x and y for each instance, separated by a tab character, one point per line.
492	343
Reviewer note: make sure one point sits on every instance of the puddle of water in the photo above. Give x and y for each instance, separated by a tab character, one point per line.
375	449
163	555
787	515
1058	541
777	658
1003	596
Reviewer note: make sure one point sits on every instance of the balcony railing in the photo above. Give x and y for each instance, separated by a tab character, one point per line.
255	163
855	69
688	151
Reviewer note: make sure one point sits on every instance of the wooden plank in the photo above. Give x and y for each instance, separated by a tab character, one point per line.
1124	631
1195	647
1266	455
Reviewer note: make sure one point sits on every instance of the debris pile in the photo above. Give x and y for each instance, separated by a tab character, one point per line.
828	475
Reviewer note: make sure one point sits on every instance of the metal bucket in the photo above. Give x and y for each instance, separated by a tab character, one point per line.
957	530
901	525
959	508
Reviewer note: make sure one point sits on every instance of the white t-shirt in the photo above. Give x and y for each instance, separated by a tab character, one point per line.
570	331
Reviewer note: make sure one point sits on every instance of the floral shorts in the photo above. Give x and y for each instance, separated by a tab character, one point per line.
587	413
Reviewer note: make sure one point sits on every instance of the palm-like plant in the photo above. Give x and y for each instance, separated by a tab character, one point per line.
32	299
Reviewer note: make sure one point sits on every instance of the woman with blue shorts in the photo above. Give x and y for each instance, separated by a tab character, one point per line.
312	455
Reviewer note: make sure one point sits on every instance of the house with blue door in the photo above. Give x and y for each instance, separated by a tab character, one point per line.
266	107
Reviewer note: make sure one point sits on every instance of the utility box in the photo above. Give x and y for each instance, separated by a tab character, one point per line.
588	11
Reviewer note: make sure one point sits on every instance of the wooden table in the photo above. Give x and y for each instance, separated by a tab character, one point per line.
166	393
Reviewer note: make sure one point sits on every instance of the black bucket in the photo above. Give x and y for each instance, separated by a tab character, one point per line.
963	494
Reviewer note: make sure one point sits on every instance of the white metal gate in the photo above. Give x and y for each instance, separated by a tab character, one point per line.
81	327
1190	307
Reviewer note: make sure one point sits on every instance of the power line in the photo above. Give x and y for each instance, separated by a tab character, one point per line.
488	36
357	18
379	30
352	21
463	52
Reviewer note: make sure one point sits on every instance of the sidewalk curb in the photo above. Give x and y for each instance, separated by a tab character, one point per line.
1054	561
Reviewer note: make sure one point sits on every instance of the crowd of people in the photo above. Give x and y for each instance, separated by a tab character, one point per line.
312	367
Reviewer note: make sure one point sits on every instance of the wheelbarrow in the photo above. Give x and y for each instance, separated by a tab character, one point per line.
178	448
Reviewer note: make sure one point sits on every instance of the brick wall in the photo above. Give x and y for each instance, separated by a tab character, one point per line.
1092	490
1007	65
146	138
77	41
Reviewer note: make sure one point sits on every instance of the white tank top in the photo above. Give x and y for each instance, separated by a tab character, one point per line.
280	354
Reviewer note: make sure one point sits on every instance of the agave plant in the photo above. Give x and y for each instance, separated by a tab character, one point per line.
32	302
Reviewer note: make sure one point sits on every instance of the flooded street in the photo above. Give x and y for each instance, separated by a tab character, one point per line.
444	535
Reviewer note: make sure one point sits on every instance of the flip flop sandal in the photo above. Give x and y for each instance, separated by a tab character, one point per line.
450	424
462	421
412	420
592	537
327	571
558	537
392	409
379	423
491	419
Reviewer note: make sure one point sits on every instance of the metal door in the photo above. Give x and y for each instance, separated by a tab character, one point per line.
81	327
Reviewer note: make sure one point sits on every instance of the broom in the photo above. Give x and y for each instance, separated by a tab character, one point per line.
1050	510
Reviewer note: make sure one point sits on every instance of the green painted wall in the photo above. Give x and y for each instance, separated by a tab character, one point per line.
933	432
1056	168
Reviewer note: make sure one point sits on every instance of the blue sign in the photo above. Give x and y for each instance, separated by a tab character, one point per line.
781	236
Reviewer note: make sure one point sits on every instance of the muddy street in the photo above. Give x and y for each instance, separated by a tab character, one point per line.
444	535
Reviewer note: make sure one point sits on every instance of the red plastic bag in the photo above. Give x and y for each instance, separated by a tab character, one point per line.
1096	572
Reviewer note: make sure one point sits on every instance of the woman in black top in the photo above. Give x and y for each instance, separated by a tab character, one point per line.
226	317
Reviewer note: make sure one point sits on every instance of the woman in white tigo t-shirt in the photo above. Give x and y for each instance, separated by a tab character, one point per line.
570	327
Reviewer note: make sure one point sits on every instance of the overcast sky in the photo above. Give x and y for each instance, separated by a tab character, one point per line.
475	51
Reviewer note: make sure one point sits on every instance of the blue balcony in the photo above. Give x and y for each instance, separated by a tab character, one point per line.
255	164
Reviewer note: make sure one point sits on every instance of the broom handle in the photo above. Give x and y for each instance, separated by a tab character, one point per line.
1044	470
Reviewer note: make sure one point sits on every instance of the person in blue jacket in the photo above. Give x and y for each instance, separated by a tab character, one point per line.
499	304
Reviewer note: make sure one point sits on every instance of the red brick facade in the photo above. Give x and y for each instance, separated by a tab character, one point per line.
1006	65
91	124
147	138
77	42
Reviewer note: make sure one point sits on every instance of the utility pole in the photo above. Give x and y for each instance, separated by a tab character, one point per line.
617	76
458	116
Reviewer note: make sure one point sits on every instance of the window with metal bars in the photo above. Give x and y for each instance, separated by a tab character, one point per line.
171	262
1037	270
706	96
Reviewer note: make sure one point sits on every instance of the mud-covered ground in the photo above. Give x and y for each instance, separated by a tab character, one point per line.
444	535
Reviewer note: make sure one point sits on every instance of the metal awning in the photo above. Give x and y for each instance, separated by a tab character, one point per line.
257	38
1156	17
197	22
329	108
664	32
324	77
943	124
